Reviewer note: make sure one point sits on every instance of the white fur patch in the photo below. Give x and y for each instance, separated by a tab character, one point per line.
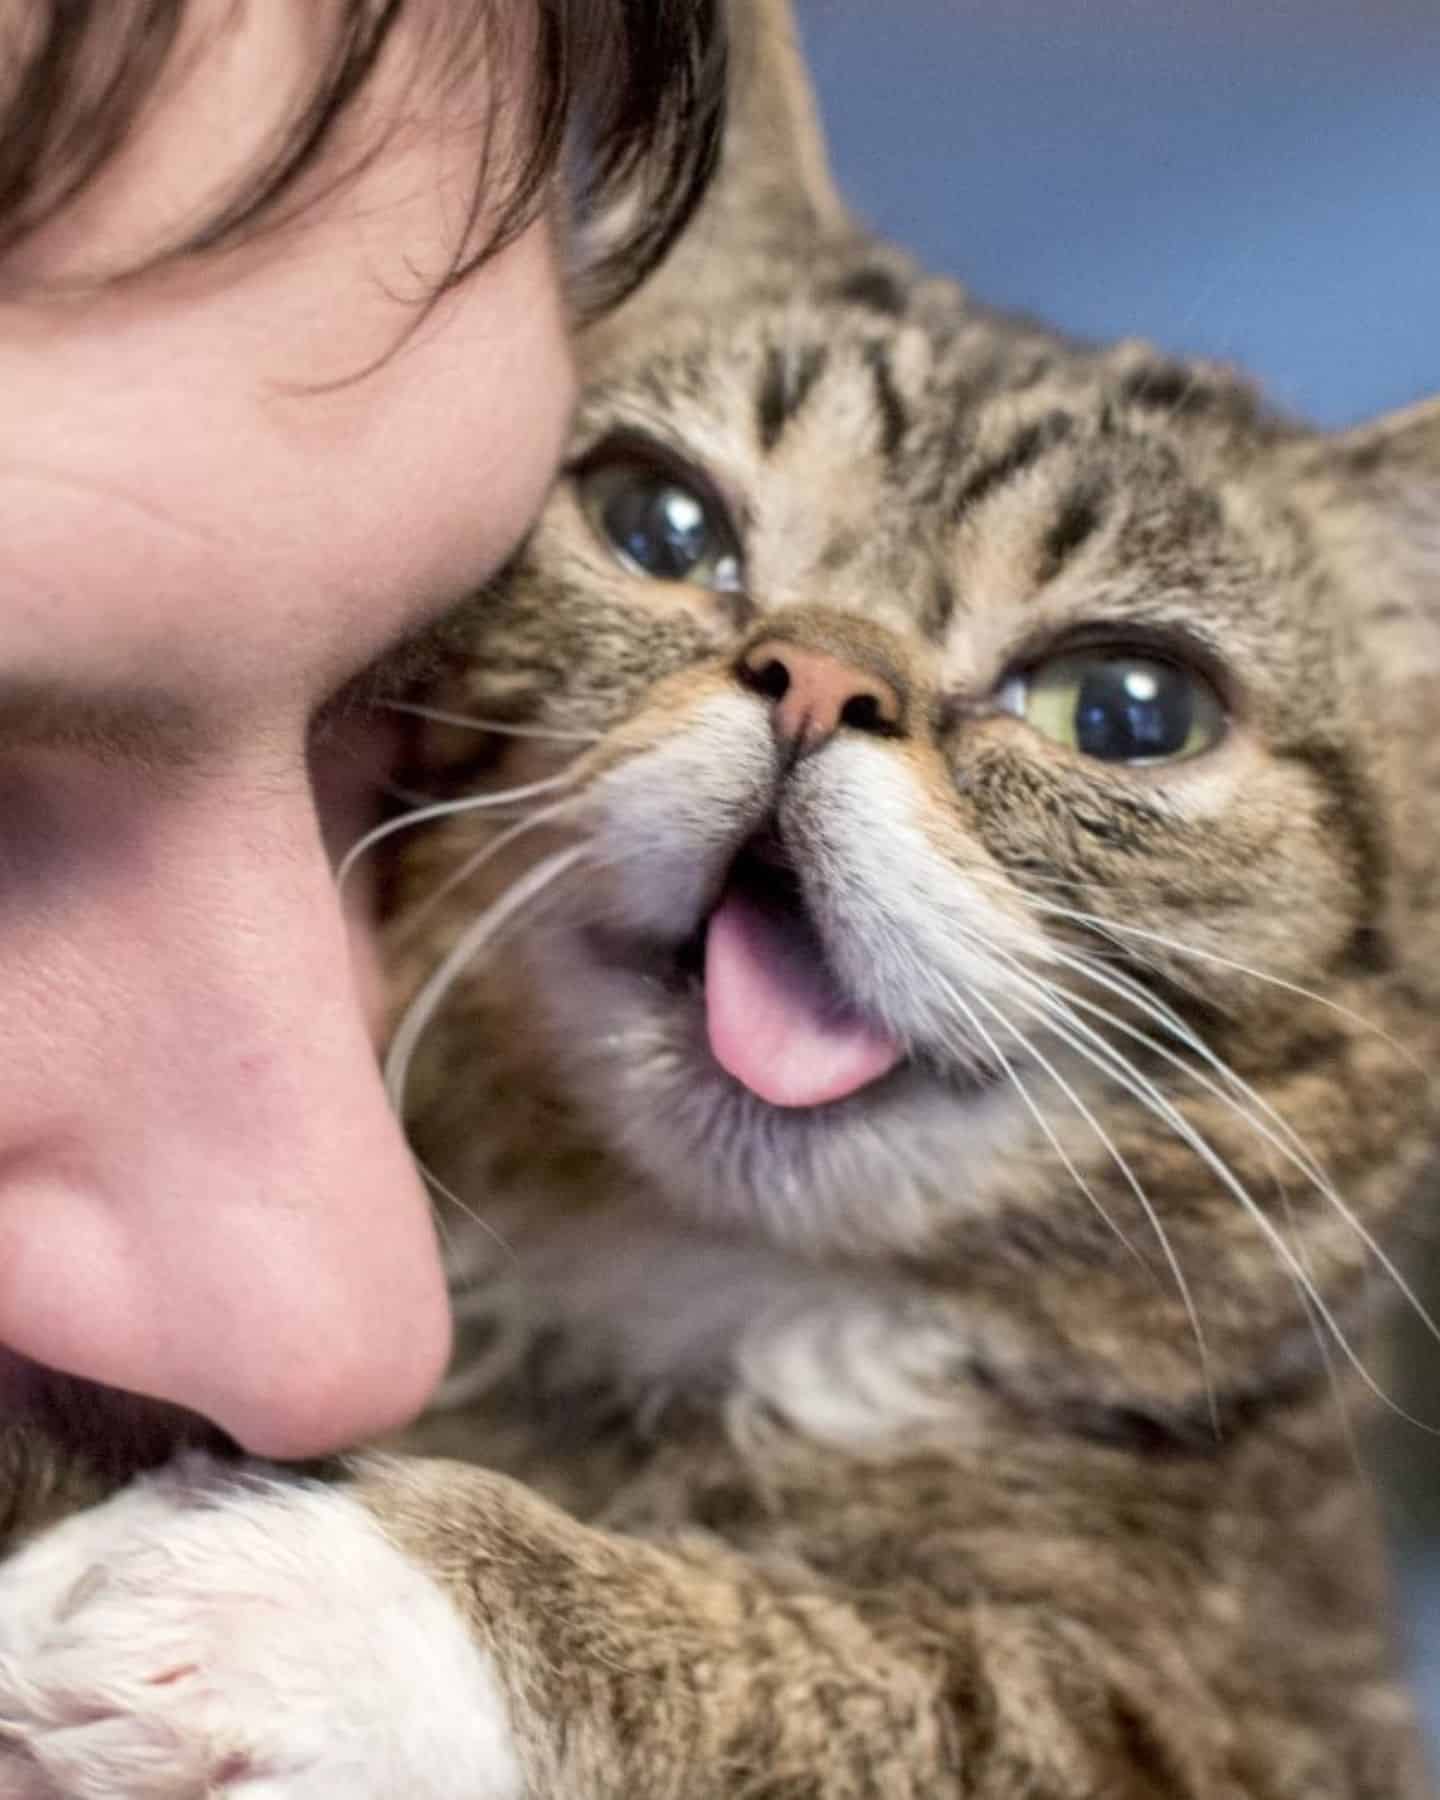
863	1377
201	1636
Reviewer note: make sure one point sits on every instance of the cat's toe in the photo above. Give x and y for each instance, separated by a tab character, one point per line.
204	1634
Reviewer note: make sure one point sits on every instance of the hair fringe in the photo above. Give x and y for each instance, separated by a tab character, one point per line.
626	109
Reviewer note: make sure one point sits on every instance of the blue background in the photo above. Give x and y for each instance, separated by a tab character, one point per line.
1247	179
1254	181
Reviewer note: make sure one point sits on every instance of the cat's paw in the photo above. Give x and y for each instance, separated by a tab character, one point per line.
206	1635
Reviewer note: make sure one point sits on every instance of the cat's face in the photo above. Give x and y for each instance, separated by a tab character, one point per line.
993	846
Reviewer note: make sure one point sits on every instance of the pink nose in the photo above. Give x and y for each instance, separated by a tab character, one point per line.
817	694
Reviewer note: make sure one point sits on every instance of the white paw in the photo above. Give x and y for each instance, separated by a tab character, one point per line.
203	1635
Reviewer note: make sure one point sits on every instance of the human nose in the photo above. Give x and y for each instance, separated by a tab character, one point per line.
211	1202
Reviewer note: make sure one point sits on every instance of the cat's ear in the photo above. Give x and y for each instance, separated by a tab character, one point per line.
1390	469
774	176
1373	497
772	191
1399	450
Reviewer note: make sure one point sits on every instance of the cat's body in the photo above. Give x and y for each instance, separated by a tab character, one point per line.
970	1414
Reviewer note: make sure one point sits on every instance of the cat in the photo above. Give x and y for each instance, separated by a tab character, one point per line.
919	993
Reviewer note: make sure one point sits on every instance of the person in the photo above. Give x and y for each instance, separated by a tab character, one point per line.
286	296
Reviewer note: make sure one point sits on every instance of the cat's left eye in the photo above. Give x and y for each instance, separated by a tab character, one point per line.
1118	706
660	522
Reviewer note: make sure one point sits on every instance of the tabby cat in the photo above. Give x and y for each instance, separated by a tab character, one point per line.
920	1014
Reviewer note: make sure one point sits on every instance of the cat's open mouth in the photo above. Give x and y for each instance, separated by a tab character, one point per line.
777	1019
761	988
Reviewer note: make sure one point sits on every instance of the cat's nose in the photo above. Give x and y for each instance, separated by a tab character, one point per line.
817	693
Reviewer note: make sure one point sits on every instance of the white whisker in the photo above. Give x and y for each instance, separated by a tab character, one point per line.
1109	1061
1114	981
987	1038
437	1186
496	727
444	809
1111	926
1133	1181
427	1001
417	914
1283	1138
1332	1374
1094	926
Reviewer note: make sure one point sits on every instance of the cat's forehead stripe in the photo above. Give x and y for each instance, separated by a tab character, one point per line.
1024	450
938	613
1080	515
894	419
786	379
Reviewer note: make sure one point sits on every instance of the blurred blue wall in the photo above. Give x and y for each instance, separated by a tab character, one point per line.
1257	182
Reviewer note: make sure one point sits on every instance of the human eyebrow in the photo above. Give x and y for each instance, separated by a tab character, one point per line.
130	724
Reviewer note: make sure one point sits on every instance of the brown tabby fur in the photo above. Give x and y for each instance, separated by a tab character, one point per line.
856	1454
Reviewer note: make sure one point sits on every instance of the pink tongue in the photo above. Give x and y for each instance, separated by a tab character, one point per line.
775	1021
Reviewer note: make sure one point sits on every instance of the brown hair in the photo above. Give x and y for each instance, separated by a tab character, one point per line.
627	103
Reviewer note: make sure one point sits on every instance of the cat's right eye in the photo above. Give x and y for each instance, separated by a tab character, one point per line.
660	522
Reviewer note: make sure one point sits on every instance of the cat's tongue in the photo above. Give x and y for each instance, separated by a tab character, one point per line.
775	1021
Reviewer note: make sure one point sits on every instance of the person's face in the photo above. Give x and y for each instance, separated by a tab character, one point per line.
203	1196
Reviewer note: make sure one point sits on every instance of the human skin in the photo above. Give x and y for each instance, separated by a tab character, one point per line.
212	518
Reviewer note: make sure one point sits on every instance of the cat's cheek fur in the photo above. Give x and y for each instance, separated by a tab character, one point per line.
242	1638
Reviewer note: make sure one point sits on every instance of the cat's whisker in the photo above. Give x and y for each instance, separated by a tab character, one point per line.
1012	1074
1132	992
406	796
416	915
1105	1139
1332	1374
1283	1137
1290	1145
471	942
1092	924
1214	957
501	815
448	1194
1131	1179
1116	982
446	809
1294	1150
494	727
1104	1057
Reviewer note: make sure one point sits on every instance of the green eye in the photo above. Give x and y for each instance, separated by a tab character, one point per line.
1119	707
660	524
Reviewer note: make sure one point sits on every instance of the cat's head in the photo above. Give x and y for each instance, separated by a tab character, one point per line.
1007	850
